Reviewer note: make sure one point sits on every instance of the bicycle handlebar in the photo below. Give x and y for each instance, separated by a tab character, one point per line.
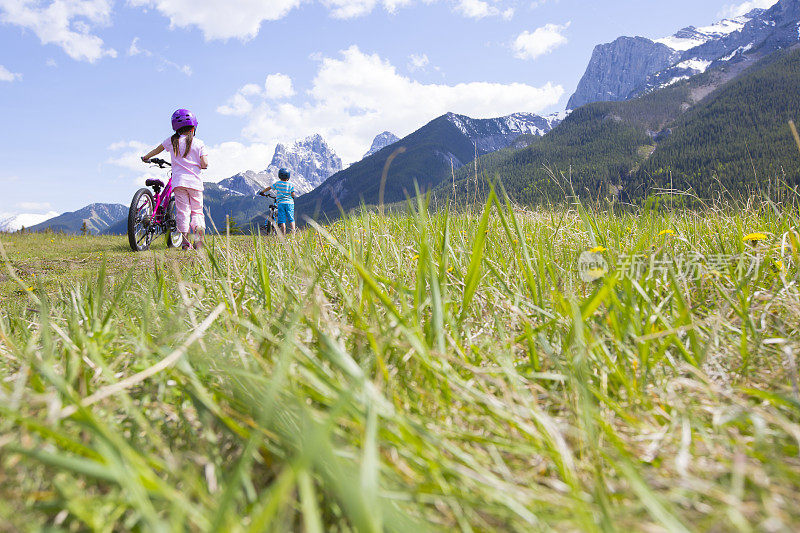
160	162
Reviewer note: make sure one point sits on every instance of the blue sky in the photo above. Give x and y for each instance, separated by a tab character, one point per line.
86	86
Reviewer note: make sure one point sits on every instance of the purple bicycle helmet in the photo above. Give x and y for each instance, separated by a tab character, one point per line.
182	118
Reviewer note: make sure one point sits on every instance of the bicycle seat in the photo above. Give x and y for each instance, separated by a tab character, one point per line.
153	182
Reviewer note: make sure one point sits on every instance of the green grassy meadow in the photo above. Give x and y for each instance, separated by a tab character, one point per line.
409	372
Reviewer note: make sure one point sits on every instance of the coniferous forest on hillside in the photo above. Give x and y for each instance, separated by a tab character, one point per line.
734	141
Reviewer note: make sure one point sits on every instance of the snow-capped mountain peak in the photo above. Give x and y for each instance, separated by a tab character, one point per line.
246	183
10	223
692	37
631	66
380	142
493	134
310	161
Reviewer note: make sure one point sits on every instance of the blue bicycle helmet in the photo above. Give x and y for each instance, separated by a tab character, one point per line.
283	174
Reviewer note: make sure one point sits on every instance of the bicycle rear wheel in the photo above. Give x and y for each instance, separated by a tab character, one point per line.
139	218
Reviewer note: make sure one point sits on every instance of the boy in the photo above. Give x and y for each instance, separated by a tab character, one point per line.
285	195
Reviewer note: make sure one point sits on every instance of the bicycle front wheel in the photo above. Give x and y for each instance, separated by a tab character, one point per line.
140	217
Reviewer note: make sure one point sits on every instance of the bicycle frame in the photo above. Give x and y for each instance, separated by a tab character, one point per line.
162	200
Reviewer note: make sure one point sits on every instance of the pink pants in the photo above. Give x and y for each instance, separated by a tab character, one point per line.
189	207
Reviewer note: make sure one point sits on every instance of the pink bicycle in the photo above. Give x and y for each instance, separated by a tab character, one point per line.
153	213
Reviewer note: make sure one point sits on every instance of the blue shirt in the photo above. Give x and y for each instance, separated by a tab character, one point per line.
283	191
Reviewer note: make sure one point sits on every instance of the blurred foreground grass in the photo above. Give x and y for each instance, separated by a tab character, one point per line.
445	371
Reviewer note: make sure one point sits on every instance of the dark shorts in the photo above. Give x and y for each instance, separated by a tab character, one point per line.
285	213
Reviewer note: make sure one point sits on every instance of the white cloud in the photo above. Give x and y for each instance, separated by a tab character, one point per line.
736	10
242	19
417	62
353	96
65	23
135	50
478	9
237	105
7	75
277	87
221	19
34	206
128	154
542	41
51	63
475	9
225	159
163	63
346	9
358	94
167	64
228	158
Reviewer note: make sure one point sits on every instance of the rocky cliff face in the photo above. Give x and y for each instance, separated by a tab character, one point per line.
380	142
311	161
247	183
616	69
631	66
493	134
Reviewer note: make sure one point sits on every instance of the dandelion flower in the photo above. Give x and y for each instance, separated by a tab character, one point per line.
597	250
415	257
779	265
449	270
667	232
754	237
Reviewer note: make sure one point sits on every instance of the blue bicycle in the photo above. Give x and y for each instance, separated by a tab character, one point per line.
271	223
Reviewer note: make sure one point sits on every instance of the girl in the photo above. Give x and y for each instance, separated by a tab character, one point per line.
189	158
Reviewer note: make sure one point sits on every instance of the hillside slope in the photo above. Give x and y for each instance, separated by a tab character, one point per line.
701	131
98	218
737	138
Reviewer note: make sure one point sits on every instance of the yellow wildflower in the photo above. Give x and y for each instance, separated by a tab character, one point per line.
597	250
779	265
449	270
667	232
753	237
415	257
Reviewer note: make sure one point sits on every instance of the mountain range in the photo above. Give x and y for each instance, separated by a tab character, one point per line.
98	218
631	66
724	133
445	144
424	158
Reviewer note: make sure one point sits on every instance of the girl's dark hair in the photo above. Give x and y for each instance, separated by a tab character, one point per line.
189	132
